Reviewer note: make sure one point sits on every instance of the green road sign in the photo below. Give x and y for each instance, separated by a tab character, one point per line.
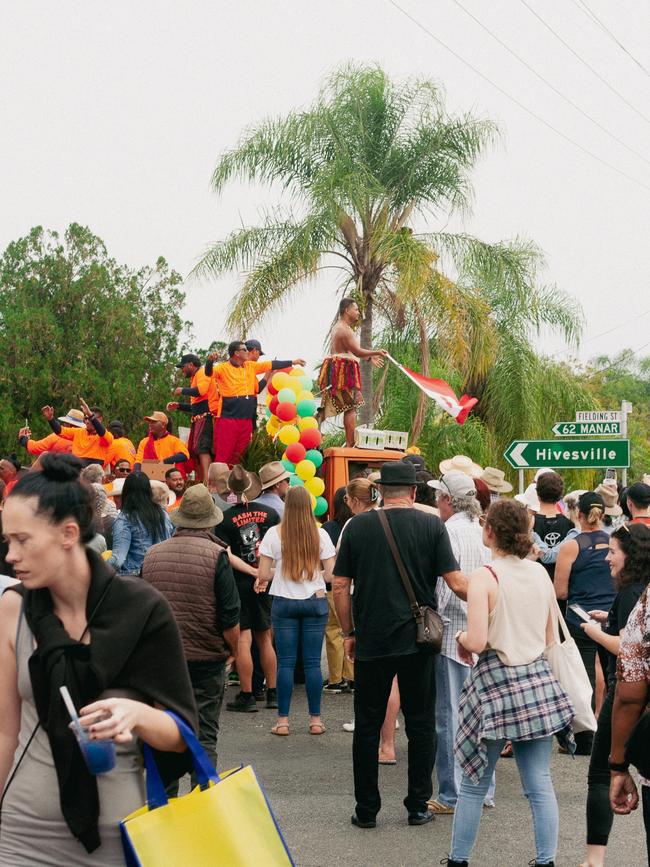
587	428
570	454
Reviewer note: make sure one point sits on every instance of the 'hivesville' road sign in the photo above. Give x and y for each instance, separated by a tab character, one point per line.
587	428
569	454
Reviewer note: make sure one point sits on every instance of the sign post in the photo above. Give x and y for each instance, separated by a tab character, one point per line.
626	408
568	454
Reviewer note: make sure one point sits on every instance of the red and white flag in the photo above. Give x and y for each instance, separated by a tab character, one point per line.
442	393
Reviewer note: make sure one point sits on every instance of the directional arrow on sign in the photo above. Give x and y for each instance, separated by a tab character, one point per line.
568	454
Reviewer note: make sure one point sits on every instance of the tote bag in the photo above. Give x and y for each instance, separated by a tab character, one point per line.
226	821
568	668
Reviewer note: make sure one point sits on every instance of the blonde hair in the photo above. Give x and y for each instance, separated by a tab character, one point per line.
299	538
595	515
363	490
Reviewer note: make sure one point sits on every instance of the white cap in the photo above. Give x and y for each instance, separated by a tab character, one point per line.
541	472
529	498
455	484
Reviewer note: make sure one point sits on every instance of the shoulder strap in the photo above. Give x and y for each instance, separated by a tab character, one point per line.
392	544
491	569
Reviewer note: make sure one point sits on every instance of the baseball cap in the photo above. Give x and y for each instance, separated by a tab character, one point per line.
189	358
455	484
157	416
254	344
639	493
588	500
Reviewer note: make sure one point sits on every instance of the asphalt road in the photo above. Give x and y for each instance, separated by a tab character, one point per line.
309	783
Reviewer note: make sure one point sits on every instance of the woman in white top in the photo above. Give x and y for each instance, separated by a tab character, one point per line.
511	693
301	554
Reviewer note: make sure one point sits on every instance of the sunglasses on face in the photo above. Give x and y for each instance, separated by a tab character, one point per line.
123	470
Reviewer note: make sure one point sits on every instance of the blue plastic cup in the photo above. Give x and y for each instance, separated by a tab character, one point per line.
98	755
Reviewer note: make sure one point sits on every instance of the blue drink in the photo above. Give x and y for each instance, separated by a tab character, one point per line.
99	755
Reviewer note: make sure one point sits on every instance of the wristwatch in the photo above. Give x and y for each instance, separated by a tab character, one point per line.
621	767
349	634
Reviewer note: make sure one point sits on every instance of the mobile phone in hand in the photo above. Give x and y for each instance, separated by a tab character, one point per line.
582	614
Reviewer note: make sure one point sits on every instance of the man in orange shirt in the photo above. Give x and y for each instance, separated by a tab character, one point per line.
176	484
160	445
92	442
52	442
203	401
122	448
236	381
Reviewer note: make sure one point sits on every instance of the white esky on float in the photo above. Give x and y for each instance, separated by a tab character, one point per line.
113	115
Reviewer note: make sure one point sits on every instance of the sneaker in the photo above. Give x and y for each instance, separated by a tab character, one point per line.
233	679
336	688
243	703
348	727
271	698
421	817
260	695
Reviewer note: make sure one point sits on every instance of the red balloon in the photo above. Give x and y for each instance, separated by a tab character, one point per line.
295	453
273	406
272	389
286	411
310	438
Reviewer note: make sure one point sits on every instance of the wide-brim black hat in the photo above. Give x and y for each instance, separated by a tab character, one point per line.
397	474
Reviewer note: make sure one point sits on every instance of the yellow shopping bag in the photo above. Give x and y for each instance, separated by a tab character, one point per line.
226	821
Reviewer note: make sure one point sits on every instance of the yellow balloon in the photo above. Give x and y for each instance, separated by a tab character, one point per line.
281	380
305	469
315	486
297	371
289	434
305	395
295	385
269	398
272	427
307	422
312	499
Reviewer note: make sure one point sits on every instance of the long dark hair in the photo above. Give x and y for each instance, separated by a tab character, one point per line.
634	540
138	505
341	511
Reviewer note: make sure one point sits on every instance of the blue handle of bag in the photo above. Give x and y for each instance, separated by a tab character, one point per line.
203	767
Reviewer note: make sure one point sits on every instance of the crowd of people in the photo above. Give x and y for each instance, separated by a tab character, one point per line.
188	586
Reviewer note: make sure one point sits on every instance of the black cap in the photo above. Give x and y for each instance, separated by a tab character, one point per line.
189	358
254	344
588	500
416	460
397	474
639	493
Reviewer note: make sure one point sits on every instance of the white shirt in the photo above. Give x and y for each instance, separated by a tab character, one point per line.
466	537
283	586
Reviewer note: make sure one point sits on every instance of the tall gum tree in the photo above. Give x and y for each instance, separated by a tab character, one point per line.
359	169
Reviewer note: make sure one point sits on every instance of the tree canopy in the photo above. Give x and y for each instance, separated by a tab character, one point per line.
75	322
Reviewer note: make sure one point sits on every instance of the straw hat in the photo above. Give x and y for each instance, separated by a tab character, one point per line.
197	510
240	482
462	464
495	480
610	495
74	418
161	486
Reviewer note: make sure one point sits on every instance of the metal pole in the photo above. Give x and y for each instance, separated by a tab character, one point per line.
522	482
626	407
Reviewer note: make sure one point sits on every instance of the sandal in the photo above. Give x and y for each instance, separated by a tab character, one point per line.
439	809
276	730
317	729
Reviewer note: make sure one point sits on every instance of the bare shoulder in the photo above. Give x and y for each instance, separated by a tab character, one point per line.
10	606
341	334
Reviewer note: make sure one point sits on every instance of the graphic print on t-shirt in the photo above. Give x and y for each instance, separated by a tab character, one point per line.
249	535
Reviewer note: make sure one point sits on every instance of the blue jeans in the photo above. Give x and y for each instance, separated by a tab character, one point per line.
295	619
533	760
450	677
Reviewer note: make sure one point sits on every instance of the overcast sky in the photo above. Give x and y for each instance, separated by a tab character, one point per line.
113	115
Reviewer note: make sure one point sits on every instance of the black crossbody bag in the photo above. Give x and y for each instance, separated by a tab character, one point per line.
429	627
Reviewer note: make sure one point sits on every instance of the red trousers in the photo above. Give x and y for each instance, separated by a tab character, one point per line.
232	437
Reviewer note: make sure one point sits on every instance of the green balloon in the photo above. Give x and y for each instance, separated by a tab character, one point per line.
288	465
315	457
321	506
267	412
296	480
306	383
306	408
287	395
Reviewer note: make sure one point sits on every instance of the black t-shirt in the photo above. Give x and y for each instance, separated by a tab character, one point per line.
621	609
243	528
383	620
552	531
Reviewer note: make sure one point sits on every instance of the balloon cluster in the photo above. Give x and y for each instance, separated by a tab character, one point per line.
290	409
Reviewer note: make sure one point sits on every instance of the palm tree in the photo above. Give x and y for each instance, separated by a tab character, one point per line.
360	166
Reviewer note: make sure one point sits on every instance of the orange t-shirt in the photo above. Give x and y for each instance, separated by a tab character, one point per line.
89	445
164	447
122	449
51	443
